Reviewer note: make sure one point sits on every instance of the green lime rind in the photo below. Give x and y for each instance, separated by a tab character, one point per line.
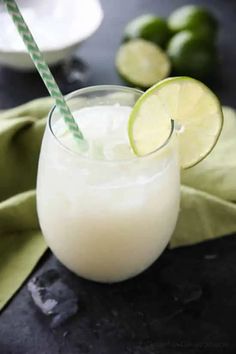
196	19
153	90
191	55
149	27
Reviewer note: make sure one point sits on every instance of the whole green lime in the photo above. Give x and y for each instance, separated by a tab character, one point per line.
191	55
196	19
149	27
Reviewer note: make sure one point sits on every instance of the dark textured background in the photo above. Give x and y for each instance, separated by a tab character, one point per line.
186	302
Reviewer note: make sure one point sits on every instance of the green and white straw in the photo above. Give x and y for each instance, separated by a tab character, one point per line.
43	68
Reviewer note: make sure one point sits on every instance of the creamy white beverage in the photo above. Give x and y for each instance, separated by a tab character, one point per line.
105	213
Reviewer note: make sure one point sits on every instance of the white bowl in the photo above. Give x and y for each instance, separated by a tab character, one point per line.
58	27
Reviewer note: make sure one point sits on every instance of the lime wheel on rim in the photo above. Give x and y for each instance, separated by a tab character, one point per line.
195	110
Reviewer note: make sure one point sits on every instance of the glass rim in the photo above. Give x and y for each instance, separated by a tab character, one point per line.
104	88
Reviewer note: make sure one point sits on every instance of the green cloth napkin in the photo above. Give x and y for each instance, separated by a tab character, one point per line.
208	192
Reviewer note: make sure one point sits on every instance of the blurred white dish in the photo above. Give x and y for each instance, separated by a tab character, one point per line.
58	27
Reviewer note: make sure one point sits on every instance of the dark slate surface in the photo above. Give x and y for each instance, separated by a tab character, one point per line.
186	302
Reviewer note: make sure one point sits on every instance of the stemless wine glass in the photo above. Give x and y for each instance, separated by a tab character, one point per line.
106	220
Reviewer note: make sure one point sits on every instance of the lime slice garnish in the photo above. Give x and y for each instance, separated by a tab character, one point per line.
142	63
194	108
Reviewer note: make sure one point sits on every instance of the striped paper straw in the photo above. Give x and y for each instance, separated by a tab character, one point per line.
43	68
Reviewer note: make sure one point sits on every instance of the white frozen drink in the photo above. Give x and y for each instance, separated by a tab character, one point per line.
106	214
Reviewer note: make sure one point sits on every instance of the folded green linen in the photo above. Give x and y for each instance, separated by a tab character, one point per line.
208	207
207	200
